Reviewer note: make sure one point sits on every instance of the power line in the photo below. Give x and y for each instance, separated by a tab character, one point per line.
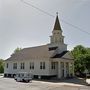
37	8
76	27
54	16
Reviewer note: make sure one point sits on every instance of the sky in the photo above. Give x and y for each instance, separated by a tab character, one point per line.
23	26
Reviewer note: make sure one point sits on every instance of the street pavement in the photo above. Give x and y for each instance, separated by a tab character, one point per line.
11	84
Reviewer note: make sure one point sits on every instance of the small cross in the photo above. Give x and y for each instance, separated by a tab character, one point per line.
57	13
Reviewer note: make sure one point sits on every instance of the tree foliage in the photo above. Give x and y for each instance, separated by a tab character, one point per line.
82	58
17	50
1	65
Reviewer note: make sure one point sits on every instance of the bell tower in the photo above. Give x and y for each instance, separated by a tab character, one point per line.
57	39
57	36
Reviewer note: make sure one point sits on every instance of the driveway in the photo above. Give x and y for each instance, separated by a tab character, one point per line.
11	84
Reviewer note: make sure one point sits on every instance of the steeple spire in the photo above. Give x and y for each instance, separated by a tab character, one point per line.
57	23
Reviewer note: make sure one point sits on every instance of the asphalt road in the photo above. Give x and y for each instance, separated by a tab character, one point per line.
11	84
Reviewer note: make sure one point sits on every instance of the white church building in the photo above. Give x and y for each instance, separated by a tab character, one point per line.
50	60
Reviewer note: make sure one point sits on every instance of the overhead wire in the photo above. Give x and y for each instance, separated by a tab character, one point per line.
37	8
76	27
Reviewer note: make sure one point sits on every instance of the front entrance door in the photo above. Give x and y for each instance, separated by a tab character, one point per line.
62	69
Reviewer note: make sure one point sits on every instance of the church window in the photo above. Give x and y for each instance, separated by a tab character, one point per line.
53	65
7	65
42	65
14	65
31	65
22	65
54	33
52	48
56	40
58	33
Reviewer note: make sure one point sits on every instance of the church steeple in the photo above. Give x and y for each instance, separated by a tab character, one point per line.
57	23
57	36
57	39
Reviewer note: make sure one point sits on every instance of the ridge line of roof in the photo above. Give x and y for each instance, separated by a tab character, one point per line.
35	46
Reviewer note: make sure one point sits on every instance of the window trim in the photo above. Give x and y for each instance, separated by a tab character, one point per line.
53	65
42	65
31	65
22	65
7	65
14	65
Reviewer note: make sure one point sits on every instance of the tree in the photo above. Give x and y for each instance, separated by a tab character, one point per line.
17	50
87	61
79	49
88	50
1	66
82	58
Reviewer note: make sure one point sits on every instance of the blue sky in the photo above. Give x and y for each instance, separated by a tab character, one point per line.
24	26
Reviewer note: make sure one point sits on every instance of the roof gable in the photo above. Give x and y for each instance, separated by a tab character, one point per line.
68	55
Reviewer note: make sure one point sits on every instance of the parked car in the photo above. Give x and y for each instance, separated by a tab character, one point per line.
23	77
